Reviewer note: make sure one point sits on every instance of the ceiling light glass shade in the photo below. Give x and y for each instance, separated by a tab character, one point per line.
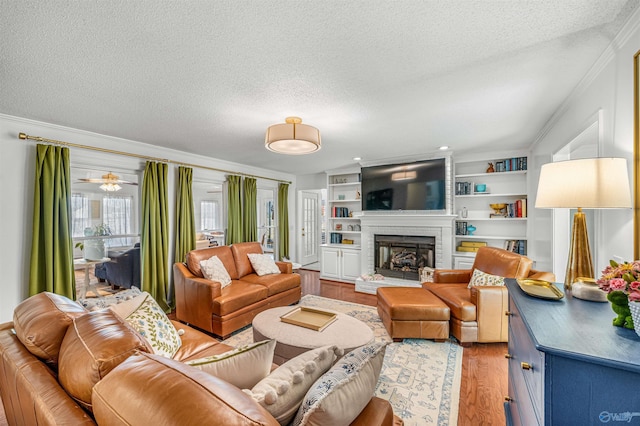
592	183
110	187
292	138
404	175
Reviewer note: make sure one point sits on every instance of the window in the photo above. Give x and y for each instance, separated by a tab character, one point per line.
116	213
95	211
79	214
267	227
210	215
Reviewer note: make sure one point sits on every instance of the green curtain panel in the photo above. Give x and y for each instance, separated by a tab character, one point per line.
51	244
185	226
283	220
154	238
250	210
234	211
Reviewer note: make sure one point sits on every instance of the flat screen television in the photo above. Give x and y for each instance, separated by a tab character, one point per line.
408	186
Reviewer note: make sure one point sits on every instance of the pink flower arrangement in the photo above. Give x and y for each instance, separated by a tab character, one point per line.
624	277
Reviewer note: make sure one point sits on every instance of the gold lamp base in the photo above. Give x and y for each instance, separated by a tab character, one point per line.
579	263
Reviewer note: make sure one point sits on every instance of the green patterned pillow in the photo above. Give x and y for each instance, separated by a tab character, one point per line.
147	318
480	279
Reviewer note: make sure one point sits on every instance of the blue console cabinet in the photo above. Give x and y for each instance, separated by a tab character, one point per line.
568	365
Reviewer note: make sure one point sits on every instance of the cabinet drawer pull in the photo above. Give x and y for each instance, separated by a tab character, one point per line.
526	366
508	313
508	356
508	398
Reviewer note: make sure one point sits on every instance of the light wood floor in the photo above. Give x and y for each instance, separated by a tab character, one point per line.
484	367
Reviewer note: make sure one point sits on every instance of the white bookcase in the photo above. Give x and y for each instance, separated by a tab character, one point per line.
340	256
502	187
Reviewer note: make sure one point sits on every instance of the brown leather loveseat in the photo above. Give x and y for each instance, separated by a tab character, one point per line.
221	311
61	364
478	313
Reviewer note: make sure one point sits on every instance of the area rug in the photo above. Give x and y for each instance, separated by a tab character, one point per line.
420	378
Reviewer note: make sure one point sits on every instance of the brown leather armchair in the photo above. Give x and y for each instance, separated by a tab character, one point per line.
478	313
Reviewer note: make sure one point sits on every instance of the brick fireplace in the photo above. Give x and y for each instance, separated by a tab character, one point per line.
412	224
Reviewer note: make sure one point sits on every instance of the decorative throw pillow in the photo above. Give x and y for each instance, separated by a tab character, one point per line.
479	278
263	264
341	394
243	366
147	318
282	391
213	269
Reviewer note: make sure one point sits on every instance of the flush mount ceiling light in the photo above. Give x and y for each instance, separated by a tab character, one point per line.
292	138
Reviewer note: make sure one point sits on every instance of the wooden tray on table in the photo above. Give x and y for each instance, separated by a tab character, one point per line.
314	319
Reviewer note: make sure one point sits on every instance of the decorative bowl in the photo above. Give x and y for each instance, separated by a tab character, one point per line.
498	207
481	187
470	229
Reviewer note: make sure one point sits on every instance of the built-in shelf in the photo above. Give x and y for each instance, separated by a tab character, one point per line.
471	175
491	237
491	219
490	195
508	187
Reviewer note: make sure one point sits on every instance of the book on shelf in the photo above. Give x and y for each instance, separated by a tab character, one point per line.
335	238
461	228
339	212
473	243
511	164
467	249
516	246
464	188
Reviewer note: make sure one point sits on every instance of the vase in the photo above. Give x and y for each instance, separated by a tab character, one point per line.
634	307
620	305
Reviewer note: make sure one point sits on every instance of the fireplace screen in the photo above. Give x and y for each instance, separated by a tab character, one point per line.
400	256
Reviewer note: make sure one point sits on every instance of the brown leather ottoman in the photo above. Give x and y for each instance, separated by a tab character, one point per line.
409	312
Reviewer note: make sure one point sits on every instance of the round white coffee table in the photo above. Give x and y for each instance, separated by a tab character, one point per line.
345	332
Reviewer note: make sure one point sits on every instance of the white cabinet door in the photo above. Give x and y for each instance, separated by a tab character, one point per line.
463	262
350	264
330	262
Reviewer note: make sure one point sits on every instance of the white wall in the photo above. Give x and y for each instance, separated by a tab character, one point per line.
17	169
608	86
312	181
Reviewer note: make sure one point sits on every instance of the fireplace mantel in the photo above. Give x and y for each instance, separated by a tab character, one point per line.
406	223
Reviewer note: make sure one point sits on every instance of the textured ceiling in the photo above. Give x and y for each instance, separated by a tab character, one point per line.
379	78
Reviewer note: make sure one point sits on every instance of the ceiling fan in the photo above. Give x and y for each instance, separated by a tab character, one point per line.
109	182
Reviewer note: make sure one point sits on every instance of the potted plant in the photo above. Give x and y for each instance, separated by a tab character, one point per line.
93	248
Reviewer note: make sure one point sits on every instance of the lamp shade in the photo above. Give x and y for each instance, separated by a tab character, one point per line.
592	183
292	137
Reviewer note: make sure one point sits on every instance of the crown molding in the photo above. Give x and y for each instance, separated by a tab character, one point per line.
628	29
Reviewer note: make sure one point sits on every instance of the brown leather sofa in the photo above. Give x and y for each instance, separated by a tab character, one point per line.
477	314
221	311
61	364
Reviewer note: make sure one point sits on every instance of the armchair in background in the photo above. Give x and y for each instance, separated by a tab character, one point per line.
123	270
478	313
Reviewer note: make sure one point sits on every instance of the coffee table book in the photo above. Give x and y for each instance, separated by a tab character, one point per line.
314	319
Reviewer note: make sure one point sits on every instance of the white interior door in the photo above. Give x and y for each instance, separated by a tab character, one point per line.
309	229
